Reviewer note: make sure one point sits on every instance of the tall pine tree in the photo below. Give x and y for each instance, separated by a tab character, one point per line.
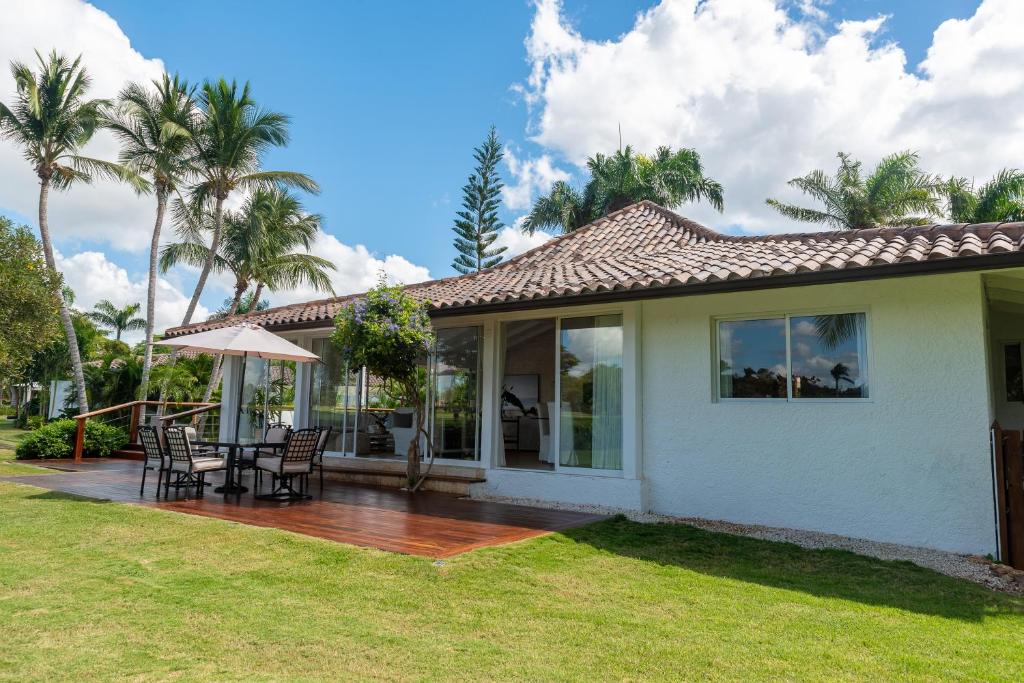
477	224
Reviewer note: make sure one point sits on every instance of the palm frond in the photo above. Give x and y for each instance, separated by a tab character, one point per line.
807	215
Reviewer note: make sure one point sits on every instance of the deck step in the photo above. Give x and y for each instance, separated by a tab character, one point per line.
444	478
132	451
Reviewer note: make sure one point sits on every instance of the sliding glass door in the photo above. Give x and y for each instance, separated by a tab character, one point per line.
454	393
590	389
562	394
334	401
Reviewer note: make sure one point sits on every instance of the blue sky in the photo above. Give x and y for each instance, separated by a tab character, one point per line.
388	100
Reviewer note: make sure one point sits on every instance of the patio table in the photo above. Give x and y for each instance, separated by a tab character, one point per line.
230	484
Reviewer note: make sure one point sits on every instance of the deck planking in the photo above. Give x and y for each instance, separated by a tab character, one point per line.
428	523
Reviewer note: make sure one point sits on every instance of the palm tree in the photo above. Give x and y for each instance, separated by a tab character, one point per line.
117	319
178	382
232	135
51	120
896	193
667	178
247	304
839	373
258	248
1000	199
155	129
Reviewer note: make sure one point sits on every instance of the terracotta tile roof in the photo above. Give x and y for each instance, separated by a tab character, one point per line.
644	248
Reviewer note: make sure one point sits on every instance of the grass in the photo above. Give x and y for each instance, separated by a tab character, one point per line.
9	438
92	590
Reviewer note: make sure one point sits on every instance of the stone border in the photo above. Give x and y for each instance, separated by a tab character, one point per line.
974	568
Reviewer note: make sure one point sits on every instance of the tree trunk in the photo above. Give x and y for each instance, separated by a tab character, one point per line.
218	220
65	314
215	373
154	247
256	298
412	464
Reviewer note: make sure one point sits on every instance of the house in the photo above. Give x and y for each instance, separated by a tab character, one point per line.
842	381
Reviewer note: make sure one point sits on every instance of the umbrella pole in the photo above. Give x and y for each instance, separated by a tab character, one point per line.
241	388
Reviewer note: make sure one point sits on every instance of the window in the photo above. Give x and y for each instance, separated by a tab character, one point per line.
590	385
455	389
793	357
1012	368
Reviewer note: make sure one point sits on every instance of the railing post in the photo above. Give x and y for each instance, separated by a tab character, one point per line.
133	424
79	439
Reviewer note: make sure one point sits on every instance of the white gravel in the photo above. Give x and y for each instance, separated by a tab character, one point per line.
972	568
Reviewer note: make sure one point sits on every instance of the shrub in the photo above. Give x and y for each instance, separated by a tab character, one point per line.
35	422
57	440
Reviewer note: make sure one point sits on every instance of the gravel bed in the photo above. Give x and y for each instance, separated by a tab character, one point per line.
971	568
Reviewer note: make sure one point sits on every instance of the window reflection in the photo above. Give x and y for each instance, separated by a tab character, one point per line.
456	379
590	420
828	356
823	356
752	360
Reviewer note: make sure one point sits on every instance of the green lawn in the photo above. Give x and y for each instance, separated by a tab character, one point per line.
93	590
9	438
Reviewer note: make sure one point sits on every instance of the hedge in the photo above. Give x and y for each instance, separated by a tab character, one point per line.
57	440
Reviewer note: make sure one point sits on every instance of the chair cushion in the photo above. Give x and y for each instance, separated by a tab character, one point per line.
273	464
208	464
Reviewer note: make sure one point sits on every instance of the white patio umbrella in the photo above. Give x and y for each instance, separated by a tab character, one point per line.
243	340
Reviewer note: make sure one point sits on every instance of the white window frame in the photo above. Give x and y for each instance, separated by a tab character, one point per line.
786	315
431	361
631	418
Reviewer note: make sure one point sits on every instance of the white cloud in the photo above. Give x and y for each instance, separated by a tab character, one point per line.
94	278
531	177
517	241
357	269
765	97
105	211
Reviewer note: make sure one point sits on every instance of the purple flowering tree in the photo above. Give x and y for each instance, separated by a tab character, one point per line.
390	334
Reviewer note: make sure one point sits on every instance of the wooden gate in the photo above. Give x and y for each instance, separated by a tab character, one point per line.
1008	463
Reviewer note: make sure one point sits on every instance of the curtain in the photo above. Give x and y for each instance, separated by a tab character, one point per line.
607	402
567	437
590	414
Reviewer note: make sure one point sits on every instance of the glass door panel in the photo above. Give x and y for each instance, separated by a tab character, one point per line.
590	388
335	392
454	394
254	400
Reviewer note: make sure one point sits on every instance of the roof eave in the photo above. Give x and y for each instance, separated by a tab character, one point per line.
803	279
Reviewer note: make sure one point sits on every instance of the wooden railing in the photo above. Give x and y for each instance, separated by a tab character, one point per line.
204	408
136	408
1008	467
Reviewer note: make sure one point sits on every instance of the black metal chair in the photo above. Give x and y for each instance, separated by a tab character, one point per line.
294	461
318	458
188	466
276	434
155	458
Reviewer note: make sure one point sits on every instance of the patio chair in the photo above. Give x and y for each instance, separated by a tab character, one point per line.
189	467
295	461
276	433
155	458
318	457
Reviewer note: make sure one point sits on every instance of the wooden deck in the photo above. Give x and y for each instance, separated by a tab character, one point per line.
426	523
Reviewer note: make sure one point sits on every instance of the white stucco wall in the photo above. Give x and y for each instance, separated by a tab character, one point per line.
910	466
614	493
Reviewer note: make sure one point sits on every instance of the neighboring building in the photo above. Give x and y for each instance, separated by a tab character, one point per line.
843	382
